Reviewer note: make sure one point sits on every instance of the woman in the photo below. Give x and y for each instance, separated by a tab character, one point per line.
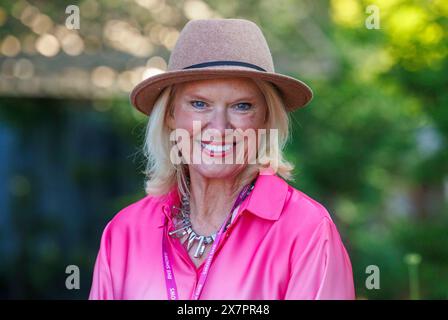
212	229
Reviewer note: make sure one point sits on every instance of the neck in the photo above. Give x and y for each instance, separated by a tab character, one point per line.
211	199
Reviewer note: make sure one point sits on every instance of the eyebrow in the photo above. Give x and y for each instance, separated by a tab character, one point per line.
200	97
196	96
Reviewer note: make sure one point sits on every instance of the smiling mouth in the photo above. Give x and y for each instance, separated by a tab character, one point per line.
215	149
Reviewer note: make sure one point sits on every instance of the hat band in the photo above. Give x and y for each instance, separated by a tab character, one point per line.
225	63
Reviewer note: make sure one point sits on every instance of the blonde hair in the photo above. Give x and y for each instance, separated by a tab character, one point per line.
161	175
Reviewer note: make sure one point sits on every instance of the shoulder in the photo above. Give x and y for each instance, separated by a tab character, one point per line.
304	214
300	204
310	225
140	214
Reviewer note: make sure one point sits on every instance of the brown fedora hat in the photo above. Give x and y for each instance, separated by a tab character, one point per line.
212	48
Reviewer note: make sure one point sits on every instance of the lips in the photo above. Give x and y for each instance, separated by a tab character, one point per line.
215	149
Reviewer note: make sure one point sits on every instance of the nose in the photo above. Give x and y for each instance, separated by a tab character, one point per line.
219	122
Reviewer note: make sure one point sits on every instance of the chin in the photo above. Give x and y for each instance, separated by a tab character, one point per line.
218	171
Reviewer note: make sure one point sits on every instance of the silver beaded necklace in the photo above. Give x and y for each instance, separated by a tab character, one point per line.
182	226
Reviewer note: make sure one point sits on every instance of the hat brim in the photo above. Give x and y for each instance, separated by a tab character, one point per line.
295	93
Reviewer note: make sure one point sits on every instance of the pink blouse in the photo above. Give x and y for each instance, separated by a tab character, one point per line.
281	244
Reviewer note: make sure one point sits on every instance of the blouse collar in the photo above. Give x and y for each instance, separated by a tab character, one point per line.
265	201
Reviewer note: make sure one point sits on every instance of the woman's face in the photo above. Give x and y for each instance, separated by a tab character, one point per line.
216	106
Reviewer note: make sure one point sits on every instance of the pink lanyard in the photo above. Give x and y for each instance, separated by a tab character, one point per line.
167	266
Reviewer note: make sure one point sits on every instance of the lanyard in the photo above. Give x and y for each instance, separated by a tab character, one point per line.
170	281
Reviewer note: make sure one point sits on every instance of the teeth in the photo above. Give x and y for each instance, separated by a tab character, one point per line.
217	148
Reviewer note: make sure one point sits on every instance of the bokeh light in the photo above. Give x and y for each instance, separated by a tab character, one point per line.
23	69
41	24
3	16
72	44
47	45
103	76
10	46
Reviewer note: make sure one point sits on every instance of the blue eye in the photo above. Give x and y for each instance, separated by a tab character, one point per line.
198	104
243	106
